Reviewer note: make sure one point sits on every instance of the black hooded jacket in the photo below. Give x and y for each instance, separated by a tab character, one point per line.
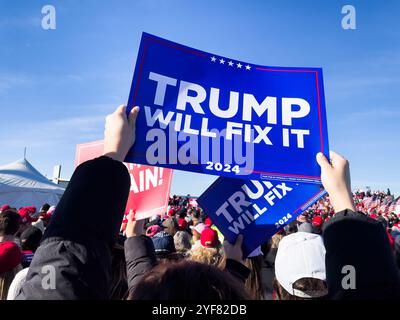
360	263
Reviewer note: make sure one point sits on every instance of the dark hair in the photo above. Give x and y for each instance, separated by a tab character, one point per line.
309	286
45	207
291	228
9	222
30	238
196	214
188	280
254	284
182	213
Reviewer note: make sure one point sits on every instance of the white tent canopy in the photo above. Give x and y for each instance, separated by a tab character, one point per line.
22	185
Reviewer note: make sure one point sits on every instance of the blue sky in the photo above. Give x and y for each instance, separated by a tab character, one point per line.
56	86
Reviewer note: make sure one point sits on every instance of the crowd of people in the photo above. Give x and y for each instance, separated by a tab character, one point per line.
345	246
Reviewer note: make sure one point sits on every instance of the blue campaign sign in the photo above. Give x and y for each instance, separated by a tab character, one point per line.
208	113
256	209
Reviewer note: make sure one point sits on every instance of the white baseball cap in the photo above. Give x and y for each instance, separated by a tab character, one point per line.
300	255
198	227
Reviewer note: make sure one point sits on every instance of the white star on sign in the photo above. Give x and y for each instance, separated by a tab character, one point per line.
213	59
221	61
248	67
239	65
230	63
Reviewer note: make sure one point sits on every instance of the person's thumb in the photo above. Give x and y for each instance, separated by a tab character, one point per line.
131	216
121	109
133	115
322	161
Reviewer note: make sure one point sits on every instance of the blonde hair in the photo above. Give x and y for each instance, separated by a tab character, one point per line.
182	241
210	256
276	238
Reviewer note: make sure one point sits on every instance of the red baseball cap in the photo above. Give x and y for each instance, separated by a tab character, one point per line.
10	256
182	223
153	230
5	207
208	222
27	214
209	238
171	212
317	221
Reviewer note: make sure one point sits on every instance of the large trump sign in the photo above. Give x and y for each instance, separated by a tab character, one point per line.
212	114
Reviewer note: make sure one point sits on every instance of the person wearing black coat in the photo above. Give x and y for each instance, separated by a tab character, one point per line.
359	261
73	260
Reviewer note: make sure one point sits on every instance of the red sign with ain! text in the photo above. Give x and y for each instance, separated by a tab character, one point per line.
150	186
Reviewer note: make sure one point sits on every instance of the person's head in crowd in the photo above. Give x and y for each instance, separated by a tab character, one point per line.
45	215
171	212
163	244
302	218
208	222
182	241
9	225
290	228
44	208
10	265
188	280
4	208
196	214
182	213
170	225
254	284
317	222
182	224
26	218
300	268
305	227
152	230
33	213
208	250
30	239
154	221
197	230
10	254
209	238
